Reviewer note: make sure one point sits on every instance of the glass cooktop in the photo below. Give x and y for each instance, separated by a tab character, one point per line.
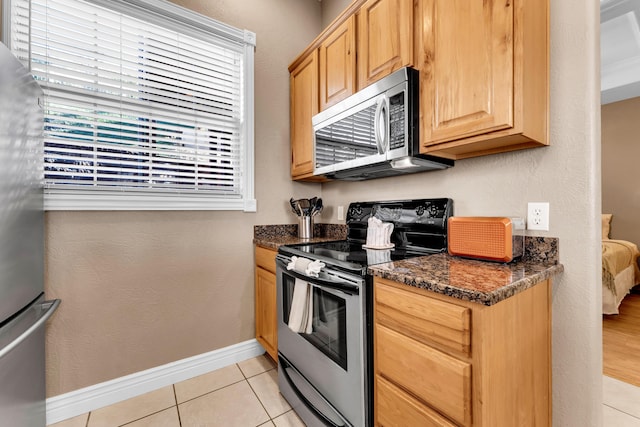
352	256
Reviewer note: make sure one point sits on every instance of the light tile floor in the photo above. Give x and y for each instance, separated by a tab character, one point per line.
243	395
246	395
621	403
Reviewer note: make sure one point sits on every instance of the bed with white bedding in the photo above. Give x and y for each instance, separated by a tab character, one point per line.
620	270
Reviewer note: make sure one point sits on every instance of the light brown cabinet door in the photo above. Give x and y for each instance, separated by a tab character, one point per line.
467	73
303	87
385	38
338	64
266	311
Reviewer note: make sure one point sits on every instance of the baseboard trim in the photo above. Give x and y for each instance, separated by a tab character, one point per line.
87	399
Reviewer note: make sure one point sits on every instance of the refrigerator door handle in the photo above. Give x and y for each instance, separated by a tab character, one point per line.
50	307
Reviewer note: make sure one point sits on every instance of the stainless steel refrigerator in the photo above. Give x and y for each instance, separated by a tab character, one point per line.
23	311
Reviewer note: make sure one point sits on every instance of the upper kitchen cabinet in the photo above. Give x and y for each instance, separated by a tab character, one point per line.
484	72
323	74
338	64
385	38
484	76
303	87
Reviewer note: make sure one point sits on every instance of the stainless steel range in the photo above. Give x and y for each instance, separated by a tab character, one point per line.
325	307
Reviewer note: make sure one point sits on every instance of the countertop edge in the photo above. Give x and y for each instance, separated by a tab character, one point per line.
275	244
267	244
484	298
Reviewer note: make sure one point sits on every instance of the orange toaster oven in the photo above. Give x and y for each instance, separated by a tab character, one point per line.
486	238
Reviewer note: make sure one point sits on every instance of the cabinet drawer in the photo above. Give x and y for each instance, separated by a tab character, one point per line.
266	258
394	408
422	318
440	380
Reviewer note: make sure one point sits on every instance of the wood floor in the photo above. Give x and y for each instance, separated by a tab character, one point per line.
621	341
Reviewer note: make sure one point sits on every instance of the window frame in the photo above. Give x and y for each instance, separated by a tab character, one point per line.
186	21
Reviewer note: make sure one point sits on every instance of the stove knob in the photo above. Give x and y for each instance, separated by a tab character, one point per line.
355	212
433	211
420	211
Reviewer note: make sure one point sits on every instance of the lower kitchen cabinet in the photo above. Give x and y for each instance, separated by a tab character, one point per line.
441	361
266	312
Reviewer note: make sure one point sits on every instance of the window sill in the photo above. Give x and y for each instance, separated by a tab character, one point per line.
119	201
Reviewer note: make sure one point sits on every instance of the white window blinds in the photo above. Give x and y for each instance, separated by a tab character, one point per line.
139	106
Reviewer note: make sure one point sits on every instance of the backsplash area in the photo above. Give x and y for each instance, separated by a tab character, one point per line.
537	249
541	249
265	232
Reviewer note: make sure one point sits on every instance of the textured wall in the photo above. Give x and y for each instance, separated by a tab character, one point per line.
331	9
141	289
566	174
91	251
620	154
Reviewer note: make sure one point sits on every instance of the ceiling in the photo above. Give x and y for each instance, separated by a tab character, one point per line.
619	49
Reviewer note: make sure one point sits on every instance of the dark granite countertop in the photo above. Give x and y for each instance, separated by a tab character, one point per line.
274	236
482	282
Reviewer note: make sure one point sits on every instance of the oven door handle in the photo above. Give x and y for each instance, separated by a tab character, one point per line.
284	365
347	288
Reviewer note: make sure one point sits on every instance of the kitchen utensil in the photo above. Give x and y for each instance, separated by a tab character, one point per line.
294	206
297	208
304	206
317	208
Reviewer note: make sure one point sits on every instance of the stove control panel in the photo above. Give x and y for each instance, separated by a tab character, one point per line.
408	211
420	222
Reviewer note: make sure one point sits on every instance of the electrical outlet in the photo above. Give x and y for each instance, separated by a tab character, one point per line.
340	213
538	216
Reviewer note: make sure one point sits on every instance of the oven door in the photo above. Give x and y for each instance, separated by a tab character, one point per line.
322	373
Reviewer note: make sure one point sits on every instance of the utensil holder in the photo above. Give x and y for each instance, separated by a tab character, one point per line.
305	227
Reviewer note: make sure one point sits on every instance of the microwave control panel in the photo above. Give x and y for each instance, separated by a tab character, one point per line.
397	121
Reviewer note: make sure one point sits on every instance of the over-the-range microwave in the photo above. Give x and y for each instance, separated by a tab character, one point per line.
374	132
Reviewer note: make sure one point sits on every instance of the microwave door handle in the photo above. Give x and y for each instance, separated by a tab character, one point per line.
381	125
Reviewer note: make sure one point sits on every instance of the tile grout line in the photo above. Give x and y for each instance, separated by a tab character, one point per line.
245	378
212	391
146	416
621	411
175	397
176	400
256	394
258	397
